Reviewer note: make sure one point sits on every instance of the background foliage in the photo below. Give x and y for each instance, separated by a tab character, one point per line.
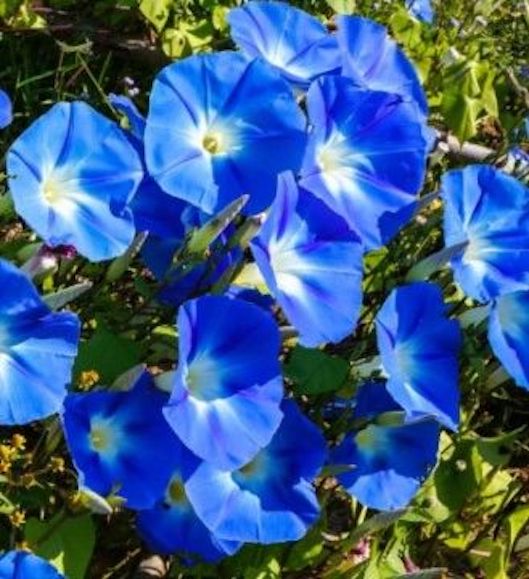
470	518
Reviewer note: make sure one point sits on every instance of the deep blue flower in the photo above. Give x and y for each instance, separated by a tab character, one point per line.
389	458
179	283
419	347
227	389
126	106
265	301
271	499
366	156
172	525
312	264
421	9
294	42
219	126
72	174
6	110
37	350
509	334
162	215
487	213
120	442
25	565
372	59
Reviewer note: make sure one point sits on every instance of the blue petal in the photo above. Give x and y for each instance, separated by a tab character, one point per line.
169	530
225	400
207	133
127	107
366	156
421	9
6	110
509	334
312	263
72	174
172	525
25	565
270	500
372	59
154	210
489	212
294	42
37	350
389	462
419	347
120	441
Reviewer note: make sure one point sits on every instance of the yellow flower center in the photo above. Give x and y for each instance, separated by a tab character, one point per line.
213	143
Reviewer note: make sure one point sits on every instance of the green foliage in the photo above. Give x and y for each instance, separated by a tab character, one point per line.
471	516
67	542
315	372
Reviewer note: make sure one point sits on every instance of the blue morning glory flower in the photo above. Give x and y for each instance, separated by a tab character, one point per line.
162	215
172	525
372	59
271	499
421	9
312	264
6	110
487	213
213	120
366	156
389	458
419	347
509	334
25	565
294	42
72	175
120	442
37	350
126	106
228	386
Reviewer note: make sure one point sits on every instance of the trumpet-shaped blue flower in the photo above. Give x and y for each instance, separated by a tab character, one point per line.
312	263
419	348
72	175
213	120
228	387
294	42
509	334
421	9
487	213
271	499
120	442
162	215
366	156
25	565
172	525
6	110
389	458
372	59
37	350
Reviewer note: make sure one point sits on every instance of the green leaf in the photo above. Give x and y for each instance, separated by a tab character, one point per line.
307	552
120	265
156	12
429	265
490	557
342	6
64	296
110	355
315	372
67	543
376	523
515	523
202	238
